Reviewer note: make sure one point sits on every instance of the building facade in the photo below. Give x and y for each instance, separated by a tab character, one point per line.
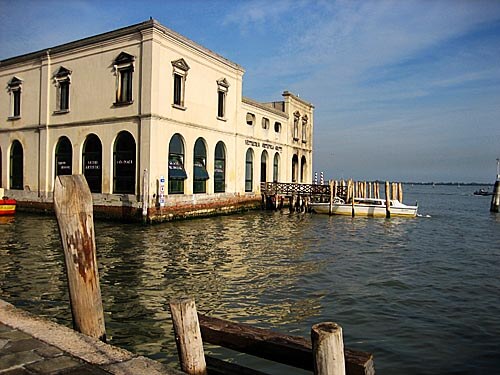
153	121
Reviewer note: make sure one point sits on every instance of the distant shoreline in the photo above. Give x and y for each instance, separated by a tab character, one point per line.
450	183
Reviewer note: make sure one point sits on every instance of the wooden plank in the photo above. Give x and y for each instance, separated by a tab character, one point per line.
74	213
290	350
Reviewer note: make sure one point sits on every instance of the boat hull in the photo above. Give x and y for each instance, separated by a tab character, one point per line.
363	210
7	207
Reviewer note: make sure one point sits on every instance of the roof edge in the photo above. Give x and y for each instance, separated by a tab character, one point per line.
151	23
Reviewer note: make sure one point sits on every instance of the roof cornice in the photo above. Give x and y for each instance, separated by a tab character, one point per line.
137	28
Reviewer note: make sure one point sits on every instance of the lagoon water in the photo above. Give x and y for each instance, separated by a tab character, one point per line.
422	294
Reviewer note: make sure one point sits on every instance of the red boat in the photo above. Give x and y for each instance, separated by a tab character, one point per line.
7	206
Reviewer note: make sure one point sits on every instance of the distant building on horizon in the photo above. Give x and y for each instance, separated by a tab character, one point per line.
143	108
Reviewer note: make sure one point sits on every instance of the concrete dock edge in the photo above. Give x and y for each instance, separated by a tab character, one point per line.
106	357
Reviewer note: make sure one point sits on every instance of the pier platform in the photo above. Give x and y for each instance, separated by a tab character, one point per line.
33	345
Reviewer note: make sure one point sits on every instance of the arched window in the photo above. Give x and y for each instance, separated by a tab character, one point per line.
200	167
249	170
276	166
92	162
176	172
220	168
295	167
302	168
263	166
124	164
64	157
16	166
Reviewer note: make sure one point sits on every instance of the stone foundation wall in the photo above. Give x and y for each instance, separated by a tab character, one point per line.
128	208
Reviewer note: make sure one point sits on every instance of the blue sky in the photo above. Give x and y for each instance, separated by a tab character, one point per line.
403	90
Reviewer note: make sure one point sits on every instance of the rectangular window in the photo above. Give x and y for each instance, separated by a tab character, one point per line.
178	90
248	176
221	104
16	108
125	86
64	95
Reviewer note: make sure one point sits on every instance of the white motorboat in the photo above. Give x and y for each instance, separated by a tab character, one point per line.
372	207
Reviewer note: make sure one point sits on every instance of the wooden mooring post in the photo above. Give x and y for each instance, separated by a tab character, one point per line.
328	349
188	336
387	199
495	199
74	213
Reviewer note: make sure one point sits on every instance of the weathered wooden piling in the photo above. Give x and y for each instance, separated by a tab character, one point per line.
74	213
188	336
328	349
145	195
332	195
387	200
495	199
352	204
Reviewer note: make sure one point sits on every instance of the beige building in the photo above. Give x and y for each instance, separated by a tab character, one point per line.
150	118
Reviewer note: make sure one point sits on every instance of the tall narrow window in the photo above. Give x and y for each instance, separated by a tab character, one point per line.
124	164
276	166
304	129
180	70
263	166
249	170
14	88
220	168
200	167
64	157
92	162
124	68
296	117
222	89
16	166
176	172
62	80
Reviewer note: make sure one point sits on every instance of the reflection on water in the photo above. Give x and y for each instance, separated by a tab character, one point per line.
405	289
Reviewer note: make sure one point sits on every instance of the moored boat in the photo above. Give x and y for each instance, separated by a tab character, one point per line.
7	206
373	207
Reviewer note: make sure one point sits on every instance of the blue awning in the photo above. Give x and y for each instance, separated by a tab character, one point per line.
200	173
177	174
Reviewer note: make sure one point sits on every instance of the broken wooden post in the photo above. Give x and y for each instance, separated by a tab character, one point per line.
328	349
188	336
73	207
387	199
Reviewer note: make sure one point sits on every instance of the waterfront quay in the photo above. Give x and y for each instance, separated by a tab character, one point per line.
32	345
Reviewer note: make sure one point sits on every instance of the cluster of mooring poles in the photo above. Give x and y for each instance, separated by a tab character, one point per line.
362	189
324	354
